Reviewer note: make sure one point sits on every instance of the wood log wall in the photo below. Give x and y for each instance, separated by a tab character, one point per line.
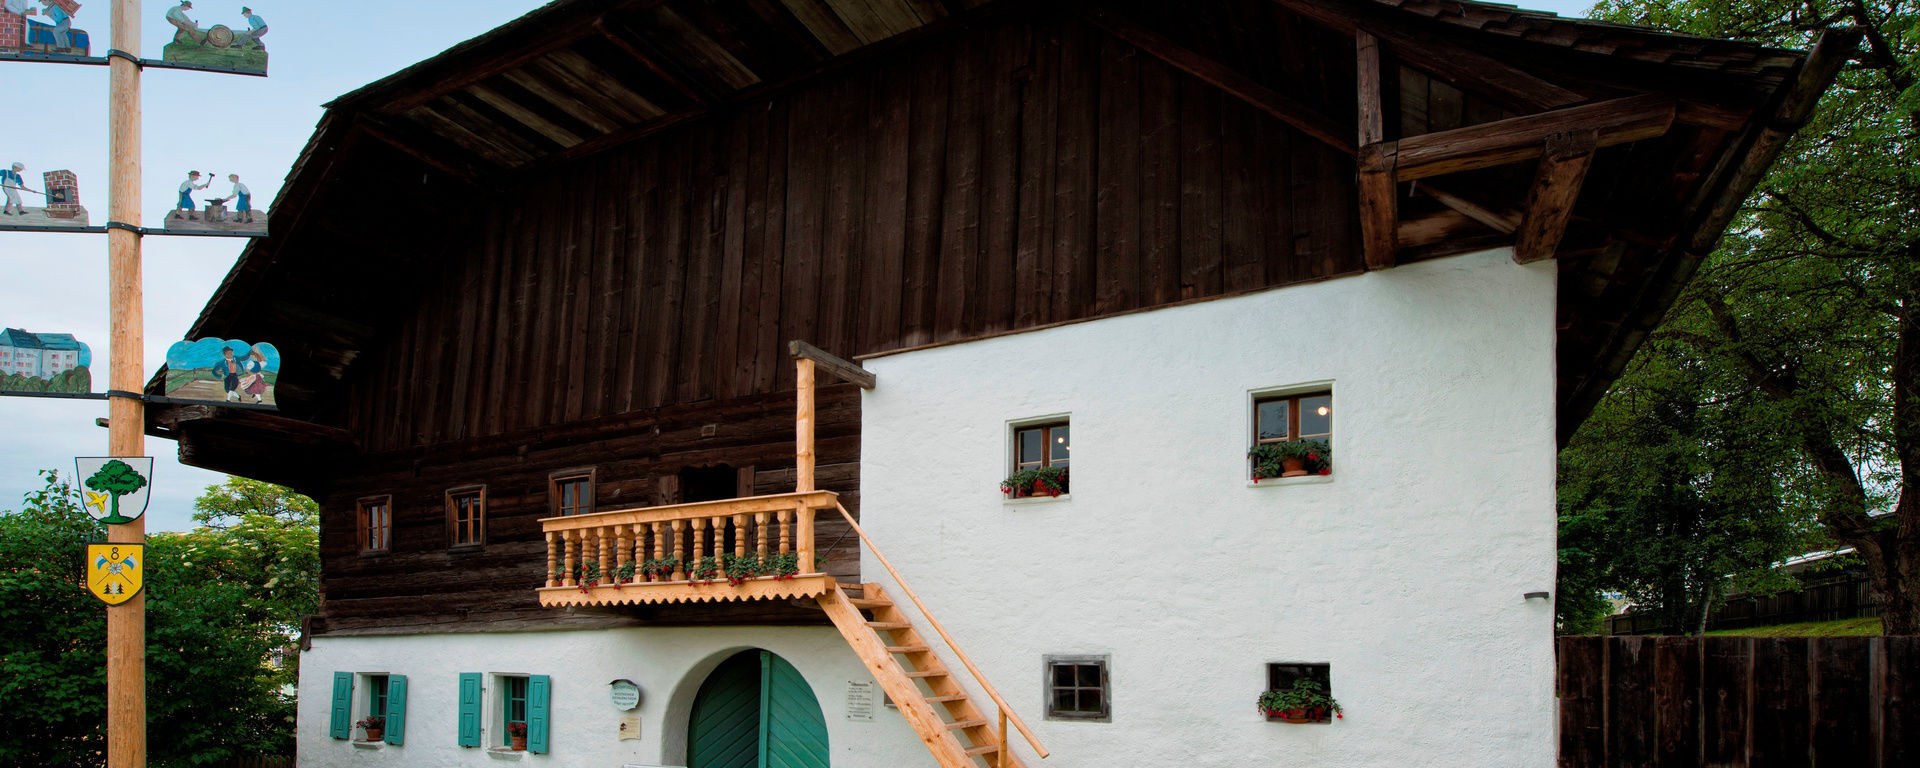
1004	177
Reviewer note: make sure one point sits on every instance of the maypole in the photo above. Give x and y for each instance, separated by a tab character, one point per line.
126	423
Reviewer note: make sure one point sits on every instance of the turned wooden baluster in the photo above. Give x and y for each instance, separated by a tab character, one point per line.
553	561
740	535
620	549
760	535
679	553
699	545
605	576
566	572
660	546
786	531
719	538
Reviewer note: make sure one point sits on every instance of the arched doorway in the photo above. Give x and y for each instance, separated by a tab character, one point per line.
756	711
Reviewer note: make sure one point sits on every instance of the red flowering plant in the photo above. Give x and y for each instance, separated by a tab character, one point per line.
661	568
1292	458
706	570
517	729
1306	702
372	723
1035	481
782	566
739	568
587	574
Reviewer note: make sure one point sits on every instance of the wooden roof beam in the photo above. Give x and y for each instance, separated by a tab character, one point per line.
847	370
1505	223
623	38
1478	73
1379	192
1556	186
1302	117
1516	139
380	131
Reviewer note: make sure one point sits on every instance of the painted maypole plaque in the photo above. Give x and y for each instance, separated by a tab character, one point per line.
233	212
222	370
114	489
240	47
42	30
58	195
44	363
116	572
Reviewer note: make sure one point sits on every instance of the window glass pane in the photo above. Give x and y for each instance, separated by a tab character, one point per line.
1090	700
1063	701
1030	445
1316	415
1058	445
1063	675
1090	675
567	491
1272	416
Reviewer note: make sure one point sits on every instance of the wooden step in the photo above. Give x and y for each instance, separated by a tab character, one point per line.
907	649
868	605
983	750
945	699
926	673
959	724
856	587
890	625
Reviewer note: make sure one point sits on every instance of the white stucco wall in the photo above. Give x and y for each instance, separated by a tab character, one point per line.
668	663
1405	571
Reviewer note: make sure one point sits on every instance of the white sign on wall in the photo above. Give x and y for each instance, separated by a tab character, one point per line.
860	702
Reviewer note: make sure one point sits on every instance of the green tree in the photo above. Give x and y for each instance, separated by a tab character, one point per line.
1809	310
213	689
118	479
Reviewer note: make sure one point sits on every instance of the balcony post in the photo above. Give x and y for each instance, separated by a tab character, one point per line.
803	524
803	426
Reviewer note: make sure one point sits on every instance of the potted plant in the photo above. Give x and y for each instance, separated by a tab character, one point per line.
374	725
1306	702
517	736
589	575
707	570
740	568
662	568
626	573
1293	458
1035	481
783	566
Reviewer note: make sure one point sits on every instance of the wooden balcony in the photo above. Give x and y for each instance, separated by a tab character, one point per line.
602	558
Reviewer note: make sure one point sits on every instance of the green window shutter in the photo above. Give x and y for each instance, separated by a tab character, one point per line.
342	725
795	730
469	709
396	709
538	714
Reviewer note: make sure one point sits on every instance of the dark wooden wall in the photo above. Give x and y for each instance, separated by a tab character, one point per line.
1020	174
1003	178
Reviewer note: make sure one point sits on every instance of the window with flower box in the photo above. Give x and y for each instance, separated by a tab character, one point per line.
1285	676
1292	426
1042	454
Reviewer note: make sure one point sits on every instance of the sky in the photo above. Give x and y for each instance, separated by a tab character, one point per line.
56	118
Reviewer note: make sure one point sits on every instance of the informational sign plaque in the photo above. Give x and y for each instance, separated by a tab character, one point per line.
860	702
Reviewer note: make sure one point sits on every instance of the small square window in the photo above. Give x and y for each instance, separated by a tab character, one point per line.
1282	419
375	523
1282	676
1042	452
1077	688
571	492
467	516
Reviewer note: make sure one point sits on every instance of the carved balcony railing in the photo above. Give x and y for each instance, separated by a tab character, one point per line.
601	558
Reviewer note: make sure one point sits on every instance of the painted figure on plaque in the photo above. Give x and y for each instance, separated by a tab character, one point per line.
44	363
22	36
218	46
222	371
61	193
233	214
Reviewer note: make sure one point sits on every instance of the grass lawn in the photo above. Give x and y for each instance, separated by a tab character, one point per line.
1839	628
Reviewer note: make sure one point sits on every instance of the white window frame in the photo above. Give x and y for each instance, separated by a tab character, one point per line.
1009	434
1251	423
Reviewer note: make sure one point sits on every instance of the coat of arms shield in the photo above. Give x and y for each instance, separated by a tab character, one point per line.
114	490
115	571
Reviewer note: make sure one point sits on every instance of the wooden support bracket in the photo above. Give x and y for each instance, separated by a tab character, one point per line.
1563	168
1302	117
1379	206
1618	121
1505	223
847	370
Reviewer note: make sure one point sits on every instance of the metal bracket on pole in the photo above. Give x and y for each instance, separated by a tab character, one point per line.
124	226
115	52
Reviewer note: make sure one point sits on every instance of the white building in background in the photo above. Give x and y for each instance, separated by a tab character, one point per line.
38	355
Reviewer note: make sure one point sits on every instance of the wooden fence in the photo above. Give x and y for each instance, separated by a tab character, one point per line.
1751	702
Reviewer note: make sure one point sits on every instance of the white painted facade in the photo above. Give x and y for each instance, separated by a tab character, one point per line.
1405	569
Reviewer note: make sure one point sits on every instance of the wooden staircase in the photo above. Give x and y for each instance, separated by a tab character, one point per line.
952	727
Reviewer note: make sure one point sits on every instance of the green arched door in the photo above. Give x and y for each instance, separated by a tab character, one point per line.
756	711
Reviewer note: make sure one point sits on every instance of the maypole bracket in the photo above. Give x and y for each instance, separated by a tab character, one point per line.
117	53
125	226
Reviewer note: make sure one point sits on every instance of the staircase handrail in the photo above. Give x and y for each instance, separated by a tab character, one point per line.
1006	712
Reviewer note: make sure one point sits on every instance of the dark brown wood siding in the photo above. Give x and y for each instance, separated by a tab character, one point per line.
1008	176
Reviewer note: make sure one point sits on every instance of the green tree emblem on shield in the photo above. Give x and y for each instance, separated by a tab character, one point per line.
116	478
